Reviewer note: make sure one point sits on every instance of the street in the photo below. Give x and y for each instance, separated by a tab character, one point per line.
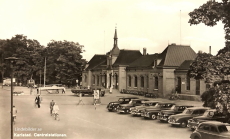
79	121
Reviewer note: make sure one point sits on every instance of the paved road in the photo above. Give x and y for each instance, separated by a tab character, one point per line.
81	121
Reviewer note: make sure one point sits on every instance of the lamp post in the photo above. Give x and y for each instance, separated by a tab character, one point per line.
11	60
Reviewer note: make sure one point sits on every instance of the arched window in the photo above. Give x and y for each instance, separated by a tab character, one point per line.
86	78
188	83
135	81
147	81
156	83
142	81
129	81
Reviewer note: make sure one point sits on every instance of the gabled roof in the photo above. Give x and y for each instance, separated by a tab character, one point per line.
174	55
144	61
126	57
185	65
96	61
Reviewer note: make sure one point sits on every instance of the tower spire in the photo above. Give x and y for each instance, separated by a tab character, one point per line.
115	37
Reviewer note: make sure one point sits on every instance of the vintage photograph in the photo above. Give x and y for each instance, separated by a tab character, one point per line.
115	69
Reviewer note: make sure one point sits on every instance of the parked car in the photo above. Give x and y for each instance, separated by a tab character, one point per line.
151	113
209	115
112	106
137	110
125	108
182	118
176	109
211	130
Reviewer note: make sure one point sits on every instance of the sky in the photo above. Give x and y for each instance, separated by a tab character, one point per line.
150	24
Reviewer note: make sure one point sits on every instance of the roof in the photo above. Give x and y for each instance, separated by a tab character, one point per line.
96	61
198	108
126	57
185	65
175	55
144	61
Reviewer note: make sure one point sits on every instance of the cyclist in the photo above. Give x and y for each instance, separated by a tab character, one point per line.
14	114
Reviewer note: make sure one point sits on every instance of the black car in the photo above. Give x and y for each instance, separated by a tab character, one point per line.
112	106
209	115
182	118
125	108
151	113
176	109
137	110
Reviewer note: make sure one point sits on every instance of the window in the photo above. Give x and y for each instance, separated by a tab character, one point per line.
156	83
85	78
98	77
188	83
142	81
135	81
129	81
147	82
213	129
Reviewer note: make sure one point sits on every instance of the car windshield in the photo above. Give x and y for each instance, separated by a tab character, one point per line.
132	102
222	128
121	100
187	111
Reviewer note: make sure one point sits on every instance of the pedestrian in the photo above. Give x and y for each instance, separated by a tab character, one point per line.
14	113
51	106
38	100
55	109
110	89
63	91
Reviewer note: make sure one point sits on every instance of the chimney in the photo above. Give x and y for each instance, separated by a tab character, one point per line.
144	51
209	49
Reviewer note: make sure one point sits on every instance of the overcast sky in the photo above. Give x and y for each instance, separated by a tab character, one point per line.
152	24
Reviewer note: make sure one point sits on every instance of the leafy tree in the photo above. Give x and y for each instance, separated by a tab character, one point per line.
64	62
214	68
212	12
28	51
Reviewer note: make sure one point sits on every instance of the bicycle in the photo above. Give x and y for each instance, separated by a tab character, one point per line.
56	116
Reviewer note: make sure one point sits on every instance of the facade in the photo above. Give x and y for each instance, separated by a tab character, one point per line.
153	73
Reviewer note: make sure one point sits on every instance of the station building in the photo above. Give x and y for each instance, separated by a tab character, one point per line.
153	73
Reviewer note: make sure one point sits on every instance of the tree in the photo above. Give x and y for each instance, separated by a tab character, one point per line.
64	62
214	68
28	51
212	12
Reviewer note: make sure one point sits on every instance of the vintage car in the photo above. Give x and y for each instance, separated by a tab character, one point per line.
137	110
176	109
87	91
125	108
209	115
182	118
211	130
112	106
151	113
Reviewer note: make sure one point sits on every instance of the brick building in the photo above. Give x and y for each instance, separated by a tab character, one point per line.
153	73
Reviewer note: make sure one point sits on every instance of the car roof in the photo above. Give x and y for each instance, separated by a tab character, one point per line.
141	99
130	97
151	101
180	105
216	123
199	108
166	103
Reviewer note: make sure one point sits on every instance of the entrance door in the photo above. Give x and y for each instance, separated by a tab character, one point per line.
197	87
179	84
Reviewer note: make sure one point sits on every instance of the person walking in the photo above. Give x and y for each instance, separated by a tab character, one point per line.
38	100
55	110
111	90
51	106
14	114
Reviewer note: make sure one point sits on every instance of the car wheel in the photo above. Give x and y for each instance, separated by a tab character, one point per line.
196	137
110	110
183	124
153	117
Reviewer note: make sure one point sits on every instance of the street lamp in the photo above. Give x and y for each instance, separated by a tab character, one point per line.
12	60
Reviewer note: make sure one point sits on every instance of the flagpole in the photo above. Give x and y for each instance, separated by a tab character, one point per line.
45	73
